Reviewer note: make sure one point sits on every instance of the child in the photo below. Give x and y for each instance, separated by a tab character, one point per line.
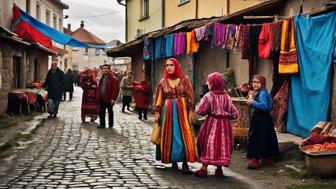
262	141
215	138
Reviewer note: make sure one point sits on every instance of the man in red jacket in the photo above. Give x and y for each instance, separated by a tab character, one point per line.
107	94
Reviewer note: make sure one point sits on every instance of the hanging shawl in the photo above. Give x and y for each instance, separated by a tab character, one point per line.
148	49
200	33
288	63
219	35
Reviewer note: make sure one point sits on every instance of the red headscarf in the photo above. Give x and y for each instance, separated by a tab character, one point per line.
262	80
178	71
216	83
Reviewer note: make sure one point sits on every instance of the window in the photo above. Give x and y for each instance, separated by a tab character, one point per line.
60	24
38	11
86	51
55	21
144	8
48	17
97	52
74	49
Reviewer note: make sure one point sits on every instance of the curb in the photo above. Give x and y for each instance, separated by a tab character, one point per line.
32	126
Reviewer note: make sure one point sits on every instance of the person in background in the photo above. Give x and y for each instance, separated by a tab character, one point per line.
127	90
142	96
90	106
262	143
107	94
69	82
216	132
54	84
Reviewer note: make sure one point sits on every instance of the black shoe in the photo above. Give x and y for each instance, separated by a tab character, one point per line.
110	126
123	111
185	169
50	115
55	115
140	118
145	118
101	127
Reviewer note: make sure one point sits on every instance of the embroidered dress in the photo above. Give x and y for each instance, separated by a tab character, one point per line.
89	104
215	138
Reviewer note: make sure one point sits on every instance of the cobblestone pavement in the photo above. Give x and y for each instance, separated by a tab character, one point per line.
66	153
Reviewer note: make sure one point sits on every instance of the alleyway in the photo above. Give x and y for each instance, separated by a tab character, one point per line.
66	153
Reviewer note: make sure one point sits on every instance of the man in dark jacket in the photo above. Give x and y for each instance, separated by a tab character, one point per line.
69	81
54	83
107	94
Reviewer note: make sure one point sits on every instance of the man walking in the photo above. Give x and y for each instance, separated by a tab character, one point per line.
127	90
54	84
107	94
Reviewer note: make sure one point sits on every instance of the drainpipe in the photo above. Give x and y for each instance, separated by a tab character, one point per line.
126	20
227	52
196	14
163	13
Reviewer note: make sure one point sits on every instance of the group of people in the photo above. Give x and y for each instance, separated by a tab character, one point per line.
174	107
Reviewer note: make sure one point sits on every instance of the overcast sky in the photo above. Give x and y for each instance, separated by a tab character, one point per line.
104	18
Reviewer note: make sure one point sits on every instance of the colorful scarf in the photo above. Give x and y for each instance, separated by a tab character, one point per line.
178	70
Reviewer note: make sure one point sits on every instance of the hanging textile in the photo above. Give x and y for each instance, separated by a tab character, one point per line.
280	107
159	48
244	41
209	32
188	35
219	35
237	38
275	35
194	45
179	43
200	33
253	41
265	42
148	49
169	45
230	37
309	98
288	63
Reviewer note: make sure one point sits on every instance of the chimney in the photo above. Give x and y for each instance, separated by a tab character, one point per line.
82	24
69	27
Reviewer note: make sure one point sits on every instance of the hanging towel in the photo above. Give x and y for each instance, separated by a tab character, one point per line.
200	33
310	91
179	43
159	48
288	63
219	35
169	47
148	49
265	41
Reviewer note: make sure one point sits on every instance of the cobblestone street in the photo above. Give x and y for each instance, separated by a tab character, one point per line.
66	153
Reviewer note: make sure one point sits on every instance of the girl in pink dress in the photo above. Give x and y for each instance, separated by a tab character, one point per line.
215	139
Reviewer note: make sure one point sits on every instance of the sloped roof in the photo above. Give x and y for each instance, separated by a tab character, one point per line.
85	36
67	31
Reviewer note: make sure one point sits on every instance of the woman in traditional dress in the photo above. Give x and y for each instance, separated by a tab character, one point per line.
89	107
215	138
142	90
173	106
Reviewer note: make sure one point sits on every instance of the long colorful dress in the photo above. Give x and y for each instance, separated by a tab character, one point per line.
215	138
177	134
89	104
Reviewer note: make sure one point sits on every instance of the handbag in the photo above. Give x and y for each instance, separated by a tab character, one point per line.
155	137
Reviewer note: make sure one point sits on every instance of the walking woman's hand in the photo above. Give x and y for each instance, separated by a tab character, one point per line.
192	117
157	116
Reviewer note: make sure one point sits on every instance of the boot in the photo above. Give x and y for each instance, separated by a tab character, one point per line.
253	163
201	173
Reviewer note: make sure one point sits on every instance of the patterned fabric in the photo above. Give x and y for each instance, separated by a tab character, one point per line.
280	107
148	49
275	35
230	36
244	40
215	138
288	62
200	33
166	100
